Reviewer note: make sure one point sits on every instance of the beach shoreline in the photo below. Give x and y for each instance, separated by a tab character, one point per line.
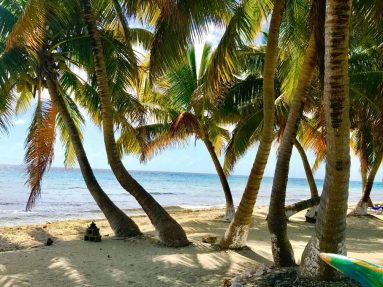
131	212
70	261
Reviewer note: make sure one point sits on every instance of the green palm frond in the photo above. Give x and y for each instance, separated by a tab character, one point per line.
70	156
247	131
243	26
142	37
7	21
178	25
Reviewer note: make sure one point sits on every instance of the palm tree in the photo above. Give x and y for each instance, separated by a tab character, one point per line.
190	112
30	70
170	232
237	232
331	222
366	106
361	207
314	200
242	107
277	222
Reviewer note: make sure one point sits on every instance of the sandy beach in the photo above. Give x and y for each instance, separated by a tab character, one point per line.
70	261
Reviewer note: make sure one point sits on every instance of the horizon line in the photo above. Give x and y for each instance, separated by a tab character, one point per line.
160	171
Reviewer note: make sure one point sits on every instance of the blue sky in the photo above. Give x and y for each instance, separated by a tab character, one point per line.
190	158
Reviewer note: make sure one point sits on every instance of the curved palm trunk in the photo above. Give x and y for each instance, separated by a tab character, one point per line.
120	223
277	222
314	200
170	232
312	212
330	228
230	210
307	167
361	207
125	28
363	172
237	232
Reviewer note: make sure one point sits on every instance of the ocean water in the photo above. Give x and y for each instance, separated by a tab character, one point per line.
65	196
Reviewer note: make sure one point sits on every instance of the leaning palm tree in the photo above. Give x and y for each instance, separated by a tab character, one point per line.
236	234
374	157
331	222
190	112
277	222
366	80
29	66
170	232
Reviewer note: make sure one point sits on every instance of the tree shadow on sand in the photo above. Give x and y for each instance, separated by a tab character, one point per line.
143	262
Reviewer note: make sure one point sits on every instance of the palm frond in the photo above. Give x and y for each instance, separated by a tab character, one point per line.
39	148
243	26
168	134
245	134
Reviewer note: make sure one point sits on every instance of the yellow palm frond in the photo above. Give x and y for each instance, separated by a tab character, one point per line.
40	148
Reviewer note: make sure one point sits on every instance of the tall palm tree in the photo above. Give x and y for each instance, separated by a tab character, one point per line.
331	222
32	70
277	222
191	112
170	232
237	232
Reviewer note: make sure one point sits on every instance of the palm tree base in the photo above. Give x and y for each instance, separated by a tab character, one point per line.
235	236
283	253
312	266
229	214
171	233
311	214
122	225
360	209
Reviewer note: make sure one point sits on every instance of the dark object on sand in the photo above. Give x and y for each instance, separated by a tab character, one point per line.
209	239
92	233
49	242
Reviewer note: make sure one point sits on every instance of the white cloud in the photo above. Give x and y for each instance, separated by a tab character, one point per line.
19	122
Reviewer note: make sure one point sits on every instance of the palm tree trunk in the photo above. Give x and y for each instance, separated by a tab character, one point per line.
125	28
314	200
363	172
361	208
170	232
120	223
292	209
277	222
230	210
312	212
307	167
237	232
330	228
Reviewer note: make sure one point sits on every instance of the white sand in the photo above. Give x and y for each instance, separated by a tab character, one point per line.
70	261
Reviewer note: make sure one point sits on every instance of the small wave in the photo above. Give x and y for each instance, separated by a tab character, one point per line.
165	193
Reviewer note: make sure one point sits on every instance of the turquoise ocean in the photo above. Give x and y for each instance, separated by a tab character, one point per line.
65	196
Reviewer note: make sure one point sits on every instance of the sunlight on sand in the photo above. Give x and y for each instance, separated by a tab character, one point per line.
143	262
